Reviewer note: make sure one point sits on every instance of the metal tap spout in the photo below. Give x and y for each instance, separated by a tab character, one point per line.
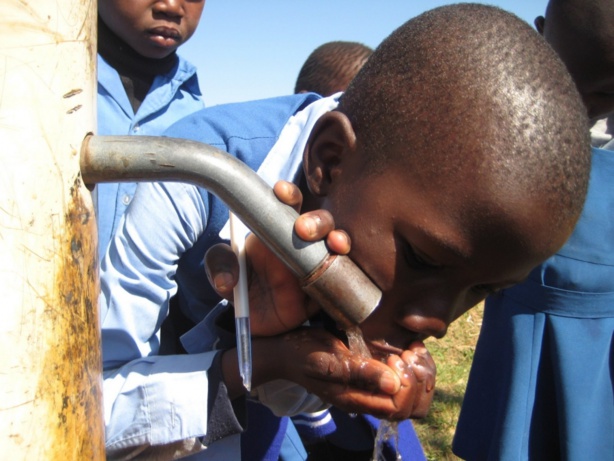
334	281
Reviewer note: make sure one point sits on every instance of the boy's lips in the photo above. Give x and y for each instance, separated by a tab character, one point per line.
165	36
383	348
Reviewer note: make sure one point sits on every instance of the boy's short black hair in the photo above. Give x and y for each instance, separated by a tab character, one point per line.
329	65
472	88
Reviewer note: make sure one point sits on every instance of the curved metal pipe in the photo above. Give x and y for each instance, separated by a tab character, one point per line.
341	288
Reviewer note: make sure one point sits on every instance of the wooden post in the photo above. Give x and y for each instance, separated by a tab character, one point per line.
50	360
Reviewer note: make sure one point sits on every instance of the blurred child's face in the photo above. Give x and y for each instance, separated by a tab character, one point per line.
153	28
434	251
589	59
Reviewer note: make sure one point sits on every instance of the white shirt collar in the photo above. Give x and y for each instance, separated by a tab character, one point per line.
286	157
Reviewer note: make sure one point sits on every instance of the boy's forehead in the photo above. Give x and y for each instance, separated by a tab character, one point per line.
474	203
501	109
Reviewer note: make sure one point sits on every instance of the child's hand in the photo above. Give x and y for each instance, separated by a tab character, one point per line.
314	225
277	303
322	364
418	372
415	368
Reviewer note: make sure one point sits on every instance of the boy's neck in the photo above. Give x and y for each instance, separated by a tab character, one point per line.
136	71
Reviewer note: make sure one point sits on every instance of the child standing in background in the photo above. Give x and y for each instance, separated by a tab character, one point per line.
541	384
144	86
331	67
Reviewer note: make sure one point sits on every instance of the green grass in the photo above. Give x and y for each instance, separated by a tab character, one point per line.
453	355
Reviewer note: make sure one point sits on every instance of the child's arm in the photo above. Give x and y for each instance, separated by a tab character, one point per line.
145	393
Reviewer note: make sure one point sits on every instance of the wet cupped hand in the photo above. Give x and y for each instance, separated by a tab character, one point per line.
399	388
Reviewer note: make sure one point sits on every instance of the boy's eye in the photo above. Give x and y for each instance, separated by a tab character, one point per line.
416	261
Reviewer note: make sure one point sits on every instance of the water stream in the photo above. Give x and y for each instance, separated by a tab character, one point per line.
387	430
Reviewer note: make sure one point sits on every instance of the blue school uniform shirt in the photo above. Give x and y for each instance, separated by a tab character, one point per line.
159	247
171	97
152	399
541	385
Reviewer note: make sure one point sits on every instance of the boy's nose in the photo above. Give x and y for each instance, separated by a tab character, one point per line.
431	312
170	7
427	325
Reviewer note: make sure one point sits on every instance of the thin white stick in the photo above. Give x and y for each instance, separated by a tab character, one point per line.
238	232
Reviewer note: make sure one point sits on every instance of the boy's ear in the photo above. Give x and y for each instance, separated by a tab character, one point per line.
331	140
539	24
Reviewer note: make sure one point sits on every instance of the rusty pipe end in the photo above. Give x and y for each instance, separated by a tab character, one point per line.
343	290
84	156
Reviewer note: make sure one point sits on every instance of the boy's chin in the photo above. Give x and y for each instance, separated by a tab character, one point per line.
157	50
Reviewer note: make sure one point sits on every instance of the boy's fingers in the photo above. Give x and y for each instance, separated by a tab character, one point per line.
222	269
339	242
288	193
314	225
419	348
358	401
361	374
371	376
423	372
422	363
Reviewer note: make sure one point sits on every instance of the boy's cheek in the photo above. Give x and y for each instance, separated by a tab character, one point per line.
377	257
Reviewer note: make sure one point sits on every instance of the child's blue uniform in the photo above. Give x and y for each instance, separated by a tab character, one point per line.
172	96
541	384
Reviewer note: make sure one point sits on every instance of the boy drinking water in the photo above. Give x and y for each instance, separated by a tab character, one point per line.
437	220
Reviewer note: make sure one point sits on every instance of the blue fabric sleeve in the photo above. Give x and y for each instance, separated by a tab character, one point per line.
150	399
